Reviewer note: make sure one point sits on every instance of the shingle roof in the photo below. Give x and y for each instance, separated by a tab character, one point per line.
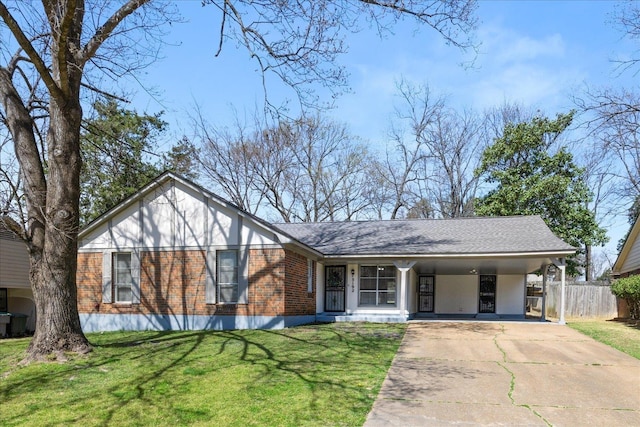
477	235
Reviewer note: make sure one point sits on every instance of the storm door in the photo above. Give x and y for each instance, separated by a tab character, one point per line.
335	281
426	292
487	294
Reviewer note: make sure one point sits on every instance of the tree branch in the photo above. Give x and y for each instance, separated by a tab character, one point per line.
107	28
28	48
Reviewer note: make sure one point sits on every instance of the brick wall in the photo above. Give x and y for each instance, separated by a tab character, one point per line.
298	301
89	282
173	283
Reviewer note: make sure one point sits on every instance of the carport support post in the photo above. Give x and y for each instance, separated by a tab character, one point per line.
560	263
543	314
562	268
404	267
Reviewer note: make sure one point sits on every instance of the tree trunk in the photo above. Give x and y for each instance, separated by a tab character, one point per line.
587	263
53	266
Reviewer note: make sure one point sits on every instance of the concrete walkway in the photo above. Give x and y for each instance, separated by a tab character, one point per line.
506	373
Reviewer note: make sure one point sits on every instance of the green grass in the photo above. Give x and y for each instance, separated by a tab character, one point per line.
309	375
624	336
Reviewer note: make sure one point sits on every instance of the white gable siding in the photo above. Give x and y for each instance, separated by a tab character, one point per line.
632	262
14	264
255	235
125	229
97	238
175	215
191	217
159	212
222	225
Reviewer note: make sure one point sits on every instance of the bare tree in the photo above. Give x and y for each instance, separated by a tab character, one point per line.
48	56
454	155
52	51
306	170
228	159
412	132
299	42
611	119
436	150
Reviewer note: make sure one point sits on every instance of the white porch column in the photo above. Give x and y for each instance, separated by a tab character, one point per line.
404	267
562	268
560	263
543	314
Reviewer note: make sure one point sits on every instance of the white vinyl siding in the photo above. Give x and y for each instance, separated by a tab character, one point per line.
632	262
14	262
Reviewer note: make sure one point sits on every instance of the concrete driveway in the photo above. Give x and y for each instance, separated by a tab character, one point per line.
506	373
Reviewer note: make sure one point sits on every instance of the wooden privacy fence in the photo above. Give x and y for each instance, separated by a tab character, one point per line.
582	299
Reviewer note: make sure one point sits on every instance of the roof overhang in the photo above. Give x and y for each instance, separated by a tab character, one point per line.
460	264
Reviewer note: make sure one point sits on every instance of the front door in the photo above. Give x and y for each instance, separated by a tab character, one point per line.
335	282
487	294
426	292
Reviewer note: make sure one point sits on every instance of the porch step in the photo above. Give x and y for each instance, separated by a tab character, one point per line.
380	318
487	316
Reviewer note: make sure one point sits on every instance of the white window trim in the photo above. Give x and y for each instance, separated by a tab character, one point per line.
377	290
236	284
109	287
117	285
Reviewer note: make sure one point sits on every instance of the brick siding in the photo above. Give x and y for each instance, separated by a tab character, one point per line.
173	283
298	301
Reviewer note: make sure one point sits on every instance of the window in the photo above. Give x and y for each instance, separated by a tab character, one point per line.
123	277
378	285
227	262
4	306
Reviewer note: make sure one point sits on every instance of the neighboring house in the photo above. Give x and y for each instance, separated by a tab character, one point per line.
175	256
628	261
16	296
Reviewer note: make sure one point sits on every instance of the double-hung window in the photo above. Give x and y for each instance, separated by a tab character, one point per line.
227	262
123	277
377	285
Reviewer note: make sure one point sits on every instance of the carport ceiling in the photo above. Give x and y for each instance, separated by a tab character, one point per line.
450	265
480	265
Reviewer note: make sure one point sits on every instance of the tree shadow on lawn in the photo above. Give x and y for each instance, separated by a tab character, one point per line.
177	358
631	323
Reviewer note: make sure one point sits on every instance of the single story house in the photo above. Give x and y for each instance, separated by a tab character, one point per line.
176	256
16	297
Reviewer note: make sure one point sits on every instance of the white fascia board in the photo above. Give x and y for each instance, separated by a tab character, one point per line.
453	255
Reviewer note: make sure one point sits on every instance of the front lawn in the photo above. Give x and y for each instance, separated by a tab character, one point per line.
309	375
624	336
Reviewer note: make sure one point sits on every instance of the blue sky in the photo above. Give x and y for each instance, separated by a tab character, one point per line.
532	52
535	53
